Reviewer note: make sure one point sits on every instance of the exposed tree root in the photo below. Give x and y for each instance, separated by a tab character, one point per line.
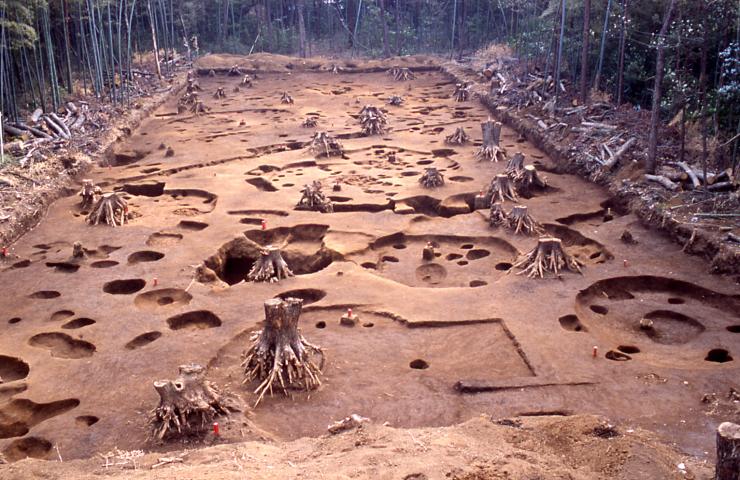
312	198
501	189
286	98
515	165
497	216
373	120
401	74
270	267
188	405
432	178
491	150
110	209
462	92
88	193
457	138
310	122
395	100
324	145
520	221
279	356
547	256
527	181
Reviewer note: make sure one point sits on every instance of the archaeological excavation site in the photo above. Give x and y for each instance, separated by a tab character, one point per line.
345	265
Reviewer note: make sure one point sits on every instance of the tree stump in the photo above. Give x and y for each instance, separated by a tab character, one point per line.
395	100
462	92
491	150
111	209
279	355
286	98
547	256
515	165
457	138
520	221
432	178
312	198
78	251
193	86
212	73
373	120
527	181
497	215
728	452
247	81
501	189
188	405
401	74
219	93
235	71
310	122
428	253
270	267
88	192
324	145
198	107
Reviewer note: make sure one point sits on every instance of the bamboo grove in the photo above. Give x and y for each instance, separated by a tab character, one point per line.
53	48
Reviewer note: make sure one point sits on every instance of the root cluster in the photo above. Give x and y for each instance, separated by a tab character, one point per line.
457	138
286	98
548	256
187	405
312	198
501	189
401	74
515	165
395	100
324	145
310	122
270	267
110	209
491	149
279	356
373	120
527	181
521	221
432	178
462	92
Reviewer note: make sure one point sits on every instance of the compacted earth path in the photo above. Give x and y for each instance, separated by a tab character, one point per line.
439	341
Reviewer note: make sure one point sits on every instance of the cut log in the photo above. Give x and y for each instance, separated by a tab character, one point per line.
457	138
547	256
270	267
432	178
372	120
520	221
462	92
188	405
501	189
690	173
728	452
312	198
111	209
528	181
279	356
324	145
491	150
662	181
610	162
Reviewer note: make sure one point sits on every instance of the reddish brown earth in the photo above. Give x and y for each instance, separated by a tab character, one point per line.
82	344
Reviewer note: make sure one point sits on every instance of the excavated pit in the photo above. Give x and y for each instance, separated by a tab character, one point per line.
437	341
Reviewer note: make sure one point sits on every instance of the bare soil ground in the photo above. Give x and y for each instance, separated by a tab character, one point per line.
82	342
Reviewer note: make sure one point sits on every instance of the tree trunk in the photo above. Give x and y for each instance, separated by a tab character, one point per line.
728	452
386	47
301	28
657	92
584	49
597	78
560	51
154	39
491	149
622	43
